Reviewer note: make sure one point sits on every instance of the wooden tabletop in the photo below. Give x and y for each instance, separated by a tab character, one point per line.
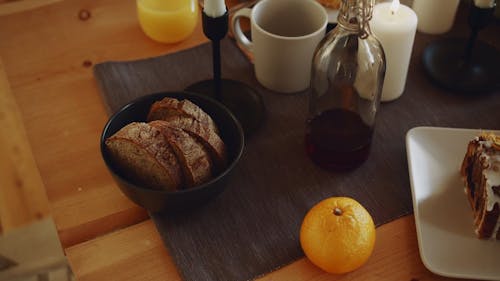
47	53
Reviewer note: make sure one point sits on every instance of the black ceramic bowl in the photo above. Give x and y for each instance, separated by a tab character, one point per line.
159	200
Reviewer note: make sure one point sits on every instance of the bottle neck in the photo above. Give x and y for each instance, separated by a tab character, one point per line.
355	14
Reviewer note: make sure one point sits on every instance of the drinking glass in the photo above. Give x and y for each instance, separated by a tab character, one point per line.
168	21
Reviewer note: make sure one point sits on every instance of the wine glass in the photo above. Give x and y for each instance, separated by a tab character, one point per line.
466	65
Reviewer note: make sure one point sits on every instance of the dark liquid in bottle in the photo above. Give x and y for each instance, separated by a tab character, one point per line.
338	139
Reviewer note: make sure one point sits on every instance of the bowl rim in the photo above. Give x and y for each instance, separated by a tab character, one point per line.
160	95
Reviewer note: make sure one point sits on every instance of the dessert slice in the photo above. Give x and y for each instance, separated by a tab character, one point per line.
481	174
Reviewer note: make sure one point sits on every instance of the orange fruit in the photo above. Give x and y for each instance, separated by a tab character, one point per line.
337	235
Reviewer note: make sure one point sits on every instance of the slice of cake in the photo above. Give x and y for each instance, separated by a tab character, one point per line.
481	174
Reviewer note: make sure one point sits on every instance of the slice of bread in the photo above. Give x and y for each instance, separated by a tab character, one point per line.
143	153
193	158
208	138
168	107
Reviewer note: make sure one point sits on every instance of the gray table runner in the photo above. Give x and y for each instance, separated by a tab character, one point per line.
252	228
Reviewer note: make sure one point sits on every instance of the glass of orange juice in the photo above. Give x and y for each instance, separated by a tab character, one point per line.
168	21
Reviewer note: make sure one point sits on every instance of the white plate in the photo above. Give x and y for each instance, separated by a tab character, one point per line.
447	242
332	15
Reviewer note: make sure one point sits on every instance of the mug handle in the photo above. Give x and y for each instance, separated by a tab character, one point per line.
238	34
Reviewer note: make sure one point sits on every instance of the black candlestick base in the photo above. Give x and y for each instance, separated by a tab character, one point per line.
242	100
445	63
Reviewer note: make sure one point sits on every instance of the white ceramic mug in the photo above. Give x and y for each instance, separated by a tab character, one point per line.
285	34
435	17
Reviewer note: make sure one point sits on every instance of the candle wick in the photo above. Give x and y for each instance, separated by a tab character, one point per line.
394	7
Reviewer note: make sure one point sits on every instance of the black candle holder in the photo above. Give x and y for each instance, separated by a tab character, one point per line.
242	100
468	65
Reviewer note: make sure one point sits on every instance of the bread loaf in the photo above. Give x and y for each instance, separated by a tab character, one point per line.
143	154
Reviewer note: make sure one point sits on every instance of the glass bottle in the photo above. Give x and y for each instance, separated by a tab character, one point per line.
346	86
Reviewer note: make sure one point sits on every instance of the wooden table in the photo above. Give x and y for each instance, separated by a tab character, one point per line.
47	55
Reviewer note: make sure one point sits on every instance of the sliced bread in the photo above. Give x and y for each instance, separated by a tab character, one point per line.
142	152
208	138
168	107
193	158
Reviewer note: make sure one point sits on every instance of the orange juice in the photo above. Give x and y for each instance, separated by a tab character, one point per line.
167	21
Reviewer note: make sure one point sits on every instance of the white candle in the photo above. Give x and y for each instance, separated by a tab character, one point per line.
484	4
395	26
435	17
213	8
